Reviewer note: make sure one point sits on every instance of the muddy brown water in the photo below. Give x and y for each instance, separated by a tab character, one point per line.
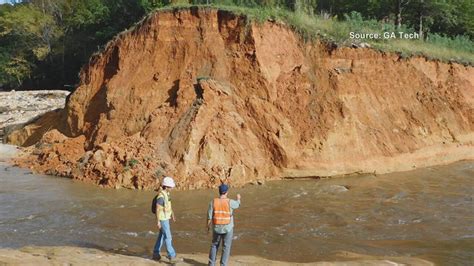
426	213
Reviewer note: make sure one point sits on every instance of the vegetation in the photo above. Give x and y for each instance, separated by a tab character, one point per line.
132	162
43	43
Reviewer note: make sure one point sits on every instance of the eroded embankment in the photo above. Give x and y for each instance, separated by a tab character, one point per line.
206	96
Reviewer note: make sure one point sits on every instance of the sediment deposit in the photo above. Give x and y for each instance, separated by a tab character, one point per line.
21	107
75	255
207	96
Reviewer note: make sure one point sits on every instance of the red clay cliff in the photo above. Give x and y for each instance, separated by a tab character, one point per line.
205	95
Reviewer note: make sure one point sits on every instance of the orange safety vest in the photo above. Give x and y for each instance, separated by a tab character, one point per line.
221	211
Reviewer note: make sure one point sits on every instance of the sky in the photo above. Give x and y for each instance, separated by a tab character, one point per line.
6	1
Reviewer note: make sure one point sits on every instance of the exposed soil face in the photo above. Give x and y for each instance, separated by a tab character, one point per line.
205	96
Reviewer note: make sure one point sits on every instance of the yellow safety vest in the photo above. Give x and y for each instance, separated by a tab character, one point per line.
165	213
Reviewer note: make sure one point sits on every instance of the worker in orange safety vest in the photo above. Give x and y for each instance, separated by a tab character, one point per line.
220	216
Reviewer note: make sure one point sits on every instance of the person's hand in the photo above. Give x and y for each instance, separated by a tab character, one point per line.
238	197
174	219
158	224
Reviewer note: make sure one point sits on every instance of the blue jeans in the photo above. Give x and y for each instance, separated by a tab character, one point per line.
227	243
164	235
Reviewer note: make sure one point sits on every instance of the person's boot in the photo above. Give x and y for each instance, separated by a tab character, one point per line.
175	260
157	257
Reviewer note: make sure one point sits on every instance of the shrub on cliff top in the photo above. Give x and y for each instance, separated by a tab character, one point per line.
311	27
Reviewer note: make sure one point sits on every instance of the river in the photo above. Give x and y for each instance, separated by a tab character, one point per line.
426	213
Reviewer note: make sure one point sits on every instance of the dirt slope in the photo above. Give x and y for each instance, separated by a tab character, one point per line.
205	96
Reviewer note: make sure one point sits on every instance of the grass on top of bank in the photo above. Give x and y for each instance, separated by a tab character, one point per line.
331	29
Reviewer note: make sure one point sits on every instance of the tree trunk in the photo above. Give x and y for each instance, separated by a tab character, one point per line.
422	7
420	31
398	22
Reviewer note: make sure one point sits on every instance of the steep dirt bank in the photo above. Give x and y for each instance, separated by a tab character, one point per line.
205	96
75	255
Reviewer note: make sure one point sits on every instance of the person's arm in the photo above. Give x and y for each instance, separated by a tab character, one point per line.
209	217
172	215
208	225
235	204
160	205
158	209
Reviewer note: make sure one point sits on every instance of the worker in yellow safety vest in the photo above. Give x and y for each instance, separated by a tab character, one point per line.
220	216
164	212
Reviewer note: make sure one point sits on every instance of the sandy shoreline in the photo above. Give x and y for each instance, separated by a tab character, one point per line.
75	255
19	107
7	152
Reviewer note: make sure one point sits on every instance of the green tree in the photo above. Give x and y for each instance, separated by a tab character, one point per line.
44	43
149	5
26	37
423	14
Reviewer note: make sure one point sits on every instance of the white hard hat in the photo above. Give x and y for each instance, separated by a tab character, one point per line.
168	182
